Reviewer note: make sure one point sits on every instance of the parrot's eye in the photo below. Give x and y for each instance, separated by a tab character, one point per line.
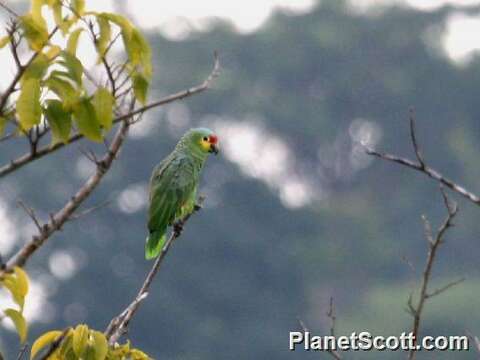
205	138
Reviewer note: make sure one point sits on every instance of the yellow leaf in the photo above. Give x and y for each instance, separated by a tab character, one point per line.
35	31
72	43
43	341
28	104
10	282
86	119
22	280
80	338
36	10
53	52
103	103
78	7
19	322
136	354
105	35
100	345
37	68
62	23
4	41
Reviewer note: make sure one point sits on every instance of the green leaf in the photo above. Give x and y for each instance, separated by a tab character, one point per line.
87	120
28	104
73	66
72	43
100	345
4	41
37	69
105	35
103	103
140	87
19	322
35	31
78	7
62	88
43	341
80	338
60	121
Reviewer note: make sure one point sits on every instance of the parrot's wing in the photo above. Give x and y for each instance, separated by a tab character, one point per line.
171	186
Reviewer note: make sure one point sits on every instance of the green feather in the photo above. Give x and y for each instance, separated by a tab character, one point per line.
155	242
173	188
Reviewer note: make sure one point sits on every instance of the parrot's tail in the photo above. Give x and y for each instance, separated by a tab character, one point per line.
154	244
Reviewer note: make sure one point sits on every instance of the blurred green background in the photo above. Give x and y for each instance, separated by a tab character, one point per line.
295	212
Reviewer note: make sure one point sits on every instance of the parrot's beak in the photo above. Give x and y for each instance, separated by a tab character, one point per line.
214	149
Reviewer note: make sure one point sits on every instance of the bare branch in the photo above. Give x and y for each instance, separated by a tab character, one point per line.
413	138
31	213
8	9
444	288
433	245
22	352
118	326
88	211
332	317
64	214
41	152
422	167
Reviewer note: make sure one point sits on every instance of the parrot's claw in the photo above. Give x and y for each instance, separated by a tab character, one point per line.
177	228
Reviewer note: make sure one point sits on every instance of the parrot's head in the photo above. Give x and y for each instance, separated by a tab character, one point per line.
204	140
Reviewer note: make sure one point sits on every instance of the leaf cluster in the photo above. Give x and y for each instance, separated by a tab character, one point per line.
82	343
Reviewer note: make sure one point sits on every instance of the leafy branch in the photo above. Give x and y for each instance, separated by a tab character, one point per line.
48	149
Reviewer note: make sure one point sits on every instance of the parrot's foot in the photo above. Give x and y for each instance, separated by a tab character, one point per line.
177	228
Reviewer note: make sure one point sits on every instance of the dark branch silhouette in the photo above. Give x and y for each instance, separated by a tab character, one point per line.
434	241
421	166
118	326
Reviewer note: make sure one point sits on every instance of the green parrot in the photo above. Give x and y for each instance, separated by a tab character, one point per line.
173	185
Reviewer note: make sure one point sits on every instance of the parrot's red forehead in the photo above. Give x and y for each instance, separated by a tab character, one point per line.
213	139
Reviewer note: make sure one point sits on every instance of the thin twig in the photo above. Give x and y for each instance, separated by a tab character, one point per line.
119	324
422	167
22	352
88	211
27	158
332	317
8	9
31	213
434	243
